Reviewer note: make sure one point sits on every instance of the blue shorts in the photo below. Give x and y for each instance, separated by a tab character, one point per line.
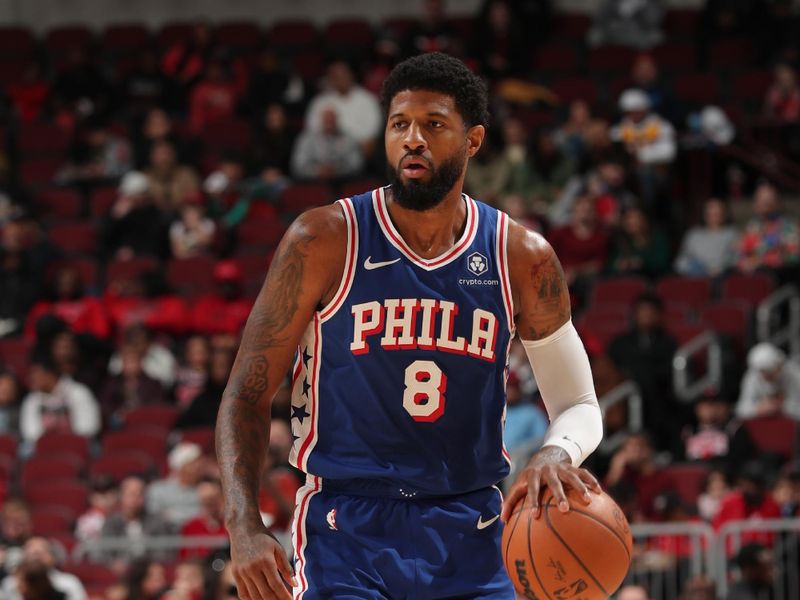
348	546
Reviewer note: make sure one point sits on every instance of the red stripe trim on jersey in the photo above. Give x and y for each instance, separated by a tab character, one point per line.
382	212
307	492
297	367
502	259
350	260
312	434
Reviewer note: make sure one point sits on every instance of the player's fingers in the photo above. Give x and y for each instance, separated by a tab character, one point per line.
247	591
516	494
590	480
273	579
534	489
285	568
554	483
572	478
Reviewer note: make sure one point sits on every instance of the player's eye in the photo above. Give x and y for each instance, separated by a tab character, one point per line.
437	124
399	124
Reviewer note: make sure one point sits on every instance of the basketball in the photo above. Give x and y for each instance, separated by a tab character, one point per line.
582	554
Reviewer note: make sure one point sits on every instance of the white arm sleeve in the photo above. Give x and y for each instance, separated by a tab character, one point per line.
561	368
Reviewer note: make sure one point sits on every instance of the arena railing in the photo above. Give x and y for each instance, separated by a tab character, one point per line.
686	389
769	317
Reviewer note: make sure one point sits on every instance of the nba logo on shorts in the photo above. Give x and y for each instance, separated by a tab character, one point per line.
331	518
477	263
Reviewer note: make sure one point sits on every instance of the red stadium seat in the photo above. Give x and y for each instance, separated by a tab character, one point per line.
254	268
354	188
202	436
47	468
7	469
39	172
62	39
463	27
73	495
230	134
692	291
260	233
52	520
191	277
53	444
59	202
151	442
117	270
399	27
309	66
125	38
751	289
730	318
732	54
558	58
86	268
293	35
241	35
575	88
774	434
687	480
174	32
300	197
572	25
620	290
682	22
685	332
118	466
349	33
12	72
161	416
14	356
698	88
101	201
675	56
611	58
93	574
8	444
43	140
752	85
17	43
74	237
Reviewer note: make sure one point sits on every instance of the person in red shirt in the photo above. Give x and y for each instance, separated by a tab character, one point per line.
210	521
30	95
212	99
226	310
783	97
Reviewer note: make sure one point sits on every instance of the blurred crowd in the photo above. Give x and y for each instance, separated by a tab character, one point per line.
142	193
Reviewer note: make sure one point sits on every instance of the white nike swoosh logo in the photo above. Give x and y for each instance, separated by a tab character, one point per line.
369	265
484	524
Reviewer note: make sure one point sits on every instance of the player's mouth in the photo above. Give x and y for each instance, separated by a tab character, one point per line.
414	167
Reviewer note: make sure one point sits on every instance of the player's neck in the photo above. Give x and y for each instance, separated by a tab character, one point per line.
434	231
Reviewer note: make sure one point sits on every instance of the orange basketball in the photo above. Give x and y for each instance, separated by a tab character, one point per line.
582	554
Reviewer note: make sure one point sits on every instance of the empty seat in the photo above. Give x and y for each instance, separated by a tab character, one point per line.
293	35
151	441
676	56
75	237
202	436
620	290
8	443
309	66
101	201
191	276
41	139
174	32
775	434
575	88
241	35
698	88
120	465
161	416
59	202
751	289
300	197
732	54
572	25
729	318
687	479
60	40
399	27
230	134
70	494
682	22
52	520
14	356
555	57
38	469
92	574
118	270
86	268
752	85
611	58
17	43
694	292
348	33
260	233
39	172
125	38
52	444
685	332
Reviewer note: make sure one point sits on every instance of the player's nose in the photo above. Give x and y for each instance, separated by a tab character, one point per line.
413	139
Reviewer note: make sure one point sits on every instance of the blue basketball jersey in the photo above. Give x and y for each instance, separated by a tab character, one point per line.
399	383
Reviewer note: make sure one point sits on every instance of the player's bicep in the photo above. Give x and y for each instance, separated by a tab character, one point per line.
539	286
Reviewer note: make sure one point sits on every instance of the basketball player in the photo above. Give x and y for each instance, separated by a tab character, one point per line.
398	307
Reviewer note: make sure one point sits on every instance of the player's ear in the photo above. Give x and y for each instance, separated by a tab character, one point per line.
475	136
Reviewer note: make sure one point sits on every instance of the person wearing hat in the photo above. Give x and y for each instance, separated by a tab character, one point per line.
771	384
175	498
649	139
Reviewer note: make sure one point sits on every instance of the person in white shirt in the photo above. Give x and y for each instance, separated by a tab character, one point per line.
39	549
56	404
358	112
771	384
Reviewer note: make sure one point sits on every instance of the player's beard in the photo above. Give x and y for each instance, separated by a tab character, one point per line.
422	195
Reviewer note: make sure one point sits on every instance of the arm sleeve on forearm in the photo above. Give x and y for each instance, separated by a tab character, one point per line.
562	372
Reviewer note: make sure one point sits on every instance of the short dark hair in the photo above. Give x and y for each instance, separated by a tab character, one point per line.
650	299
438	72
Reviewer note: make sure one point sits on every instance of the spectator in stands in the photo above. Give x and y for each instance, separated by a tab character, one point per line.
274	143
573	134
624	23
326	151
192	234
184	63
771	384
81	358
214	98
143	298
358	113
525	422
33	582
144	86
202	412
30	95
210	521
501	42
16	527
650	141
714	489
432	33
279	480
748	500
80	89
189	581
157	126
19	278
715	438
644	354
39	549
709	250
175	498
634	463
102	502
271	83
550	170
633	592
226	310
132	388
96	155
146	580
56	404
192	372
582	246
645	76
783	97
786	492
639	247
771	238
515	206
133	522
10	397
169	182
756	565
67	299
134	226
157	360
699	587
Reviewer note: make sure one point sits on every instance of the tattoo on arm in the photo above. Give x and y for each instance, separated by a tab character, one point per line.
250	381
551	308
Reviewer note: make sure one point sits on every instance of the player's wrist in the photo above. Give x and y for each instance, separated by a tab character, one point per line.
550	455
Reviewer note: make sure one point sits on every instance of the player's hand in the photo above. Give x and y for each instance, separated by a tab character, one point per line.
260	567
550	467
